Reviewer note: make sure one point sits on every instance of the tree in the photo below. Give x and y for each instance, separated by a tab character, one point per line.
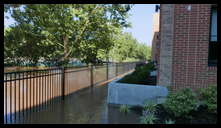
127	48
143	52
63	31
22	42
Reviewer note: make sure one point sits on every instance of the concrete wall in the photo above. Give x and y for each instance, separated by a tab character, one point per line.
166	44
135	94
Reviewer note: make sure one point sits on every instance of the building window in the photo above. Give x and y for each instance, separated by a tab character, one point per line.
213	45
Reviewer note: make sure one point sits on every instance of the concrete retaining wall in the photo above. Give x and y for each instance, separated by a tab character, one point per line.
135	94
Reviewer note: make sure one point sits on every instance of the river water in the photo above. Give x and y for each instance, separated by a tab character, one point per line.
86	106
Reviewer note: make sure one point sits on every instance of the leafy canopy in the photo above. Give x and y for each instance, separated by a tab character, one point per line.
58	32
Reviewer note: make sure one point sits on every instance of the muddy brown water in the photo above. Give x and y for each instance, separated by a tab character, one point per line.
88	106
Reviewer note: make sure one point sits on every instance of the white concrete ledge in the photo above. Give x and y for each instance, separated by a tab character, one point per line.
135	94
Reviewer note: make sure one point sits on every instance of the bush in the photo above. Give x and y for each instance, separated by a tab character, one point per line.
208	96
148	114
140	75
147	118
150	107
169	121
181	103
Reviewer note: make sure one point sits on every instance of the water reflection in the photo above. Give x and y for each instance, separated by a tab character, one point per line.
85	106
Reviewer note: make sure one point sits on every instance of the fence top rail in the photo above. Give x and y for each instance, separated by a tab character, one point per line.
78	70
70	67
33	70
59	68
29	77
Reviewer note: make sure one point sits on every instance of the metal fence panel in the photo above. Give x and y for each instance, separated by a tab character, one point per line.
27	91
111	70
76	79
100	74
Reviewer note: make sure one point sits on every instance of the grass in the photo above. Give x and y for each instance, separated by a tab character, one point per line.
124	109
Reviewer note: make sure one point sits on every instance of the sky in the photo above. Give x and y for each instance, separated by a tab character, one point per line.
141	18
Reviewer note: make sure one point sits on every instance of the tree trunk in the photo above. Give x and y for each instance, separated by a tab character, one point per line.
64	57
65	48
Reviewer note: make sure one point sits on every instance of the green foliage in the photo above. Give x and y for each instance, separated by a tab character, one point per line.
127	48
148	118
21	42
58	32
181	102
150	107
140	75
169	121
208	96
7	7
148	114
124	109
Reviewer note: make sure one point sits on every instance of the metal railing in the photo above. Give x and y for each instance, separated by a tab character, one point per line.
29	91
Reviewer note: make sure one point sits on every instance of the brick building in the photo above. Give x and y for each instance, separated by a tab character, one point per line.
188	46
155	40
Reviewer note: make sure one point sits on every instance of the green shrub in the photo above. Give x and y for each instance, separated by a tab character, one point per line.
148	118
169	121
208	96
124	109
181	103
140	75
150	107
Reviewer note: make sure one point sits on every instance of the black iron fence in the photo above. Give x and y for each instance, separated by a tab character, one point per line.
28	91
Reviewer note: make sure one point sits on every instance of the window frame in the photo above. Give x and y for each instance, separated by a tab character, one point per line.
210	61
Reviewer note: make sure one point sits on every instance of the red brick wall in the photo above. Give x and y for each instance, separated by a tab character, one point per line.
158	43
190	47
157	54
154	52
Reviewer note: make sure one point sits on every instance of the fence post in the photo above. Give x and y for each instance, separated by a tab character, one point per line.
116	70
92	76
63	82
107	71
